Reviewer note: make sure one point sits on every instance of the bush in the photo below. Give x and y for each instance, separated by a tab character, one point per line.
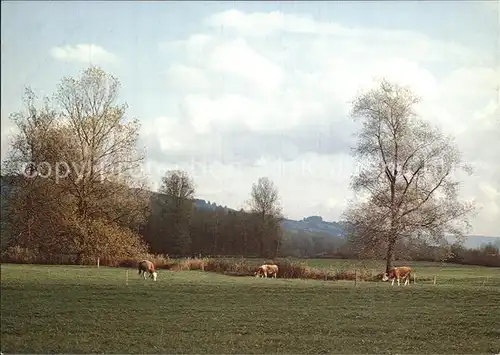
291	269
226	266
189	264
19	255
298	270
488	255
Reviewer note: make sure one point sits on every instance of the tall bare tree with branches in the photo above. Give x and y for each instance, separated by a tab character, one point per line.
406	185
265	205
176	210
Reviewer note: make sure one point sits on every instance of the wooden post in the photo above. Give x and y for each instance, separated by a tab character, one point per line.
98	262
126	280
415	278
485	280
434	279
355	277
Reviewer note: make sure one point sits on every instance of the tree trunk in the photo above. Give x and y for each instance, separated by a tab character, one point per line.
245	243
276	248
390	258
262	234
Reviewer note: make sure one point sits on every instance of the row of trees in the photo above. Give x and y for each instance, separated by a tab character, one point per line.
86	196
176	227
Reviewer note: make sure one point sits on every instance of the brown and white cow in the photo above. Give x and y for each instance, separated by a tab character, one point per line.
267	269
398	273
146	266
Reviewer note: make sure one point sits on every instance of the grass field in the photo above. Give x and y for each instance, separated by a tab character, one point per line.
70	309
425	271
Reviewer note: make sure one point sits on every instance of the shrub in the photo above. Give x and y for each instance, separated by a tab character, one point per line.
291	269
110	242
189	264
19	255
488	255
225	266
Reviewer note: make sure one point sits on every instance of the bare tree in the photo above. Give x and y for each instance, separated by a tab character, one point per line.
265	204
406	180
178	188
178	185
105	147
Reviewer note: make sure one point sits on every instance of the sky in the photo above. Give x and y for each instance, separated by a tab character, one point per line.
233	91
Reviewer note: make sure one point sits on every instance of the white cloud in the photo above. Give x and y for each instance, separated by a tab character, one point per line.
493	192
83	53
187	77
463	101
238	58
171	134
392	42
225	110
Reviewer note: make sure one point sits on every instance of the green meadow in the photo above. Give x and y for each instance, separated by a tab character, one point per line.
74	309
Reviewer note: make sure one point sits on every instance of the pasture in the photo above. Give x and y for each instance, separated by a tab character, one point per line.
72	309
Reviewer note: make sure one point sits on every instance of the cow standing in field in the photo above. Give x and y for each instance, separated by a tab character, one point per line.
401	272
267	269
147	266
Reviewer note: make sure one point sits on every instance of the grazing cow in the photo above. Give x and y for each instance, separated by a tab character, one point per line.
267	269
401	272
147	266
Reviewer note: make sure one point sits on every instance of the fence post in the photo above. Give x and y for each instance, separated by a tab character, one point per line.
126	278
434	279
485	281
415	278
98	261
355	277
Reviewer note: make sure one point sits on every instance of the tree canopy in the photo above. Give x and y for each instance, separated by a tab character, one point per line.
76	159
